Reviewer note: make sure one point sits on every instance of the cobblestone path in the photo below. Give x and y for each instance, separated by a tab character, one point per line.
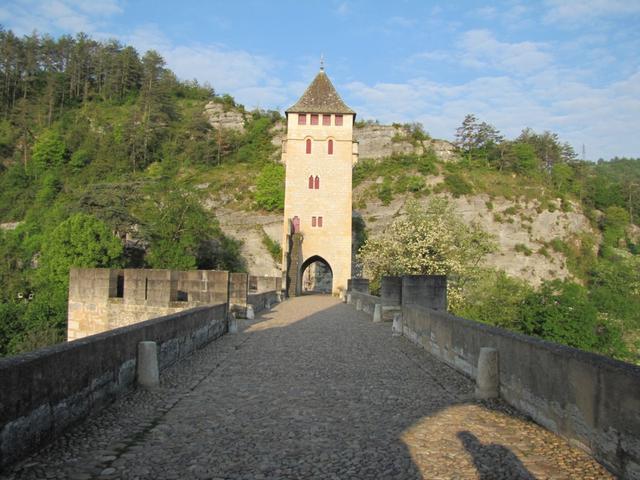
311	389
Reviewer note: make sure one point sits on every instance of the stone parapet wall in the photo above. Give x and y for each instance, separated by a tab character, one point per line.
590	399
261	283
260	301
367	302
102	299
45	391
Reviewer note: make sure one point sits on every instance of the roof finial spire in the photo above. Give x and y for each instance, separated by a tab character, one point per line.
322	62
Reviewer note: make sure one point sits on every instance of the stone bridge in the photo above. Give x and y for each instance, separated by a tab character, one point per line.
309	389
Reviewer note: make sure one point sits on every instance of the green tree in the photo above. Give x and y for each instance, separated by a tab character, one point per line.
614	223
269	193
176	228
494	298
48	151
521	158
561	312
80	241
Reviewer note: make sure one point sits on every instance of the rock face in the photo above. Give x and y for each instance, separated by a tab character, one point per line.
219	117
249	227
520	235
379	141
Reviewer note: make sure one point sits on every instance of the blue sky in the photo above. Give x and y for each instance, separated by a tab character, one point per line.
569	66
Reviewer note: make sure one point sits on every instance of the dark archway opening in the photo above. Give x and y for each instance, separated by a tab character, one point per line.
316	276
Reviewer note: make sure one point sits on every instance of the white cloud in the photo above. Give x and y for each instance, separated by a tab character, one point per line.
581	10
343	9
603	119
25	16
248	77
480	49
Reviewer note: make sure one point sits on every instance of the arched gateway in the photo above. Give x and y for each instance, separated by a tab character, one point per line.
316	275
319	154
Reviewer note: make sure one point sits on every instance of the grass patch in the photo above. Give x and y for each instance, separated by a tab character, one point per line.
273	247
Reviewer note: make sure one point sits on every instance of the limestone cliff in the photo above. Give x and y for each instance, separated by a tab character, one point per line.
379	141
226	118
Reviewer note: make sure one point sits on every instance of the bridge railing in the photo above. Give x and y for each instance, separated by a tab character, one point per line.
45	391
587	398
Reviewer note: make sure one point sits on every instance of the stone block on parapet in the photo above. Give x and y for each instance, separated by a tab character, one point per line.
238	291
153	287
203	286
358	285
389	311
147	365
377	313
429	291
92	284
396	327
488	376
391	291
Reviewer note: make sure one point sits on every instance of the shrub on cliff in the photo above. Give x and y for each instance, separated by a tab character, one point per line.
428	240
269	193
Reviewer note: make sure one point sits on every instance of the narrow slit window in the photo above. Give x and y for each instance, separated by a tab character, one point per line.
326	120
319	221
302	119
338	120
317	183
311	181
330	147
314	119
313	221
308	145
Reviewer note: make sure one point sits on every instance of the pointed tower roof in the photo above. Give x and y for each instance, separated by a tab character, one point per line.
320	97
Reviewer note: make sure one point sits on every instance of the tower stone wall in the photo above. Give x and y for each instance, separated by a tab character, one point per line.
326	120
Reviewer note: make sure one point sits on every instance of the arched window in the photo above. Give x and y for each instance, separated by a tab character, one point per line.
308	145
317	182
311	181
330	147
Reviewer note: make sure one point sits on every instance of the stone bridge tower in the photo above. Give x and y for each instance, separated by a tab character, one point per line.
319	153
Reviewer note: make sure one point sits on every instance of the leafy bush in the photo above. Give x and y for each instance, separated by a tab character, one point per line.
273	247
561	312
522	248
80	241
457	185
385	192
269	193
48	151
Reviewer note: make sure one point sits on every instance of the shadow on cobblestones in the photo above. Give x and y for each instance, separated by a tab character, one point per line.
311	389
493	460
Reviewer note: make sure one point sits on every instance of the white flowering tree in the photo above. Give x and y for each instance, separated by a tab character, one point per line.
429	240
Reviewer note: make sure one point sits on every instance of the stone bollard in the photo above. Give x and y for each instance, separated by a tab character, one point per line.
147	366
358	304
233	323
349	299
377	313
250	313
396	328
488	378
343	297
279	296
268	305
